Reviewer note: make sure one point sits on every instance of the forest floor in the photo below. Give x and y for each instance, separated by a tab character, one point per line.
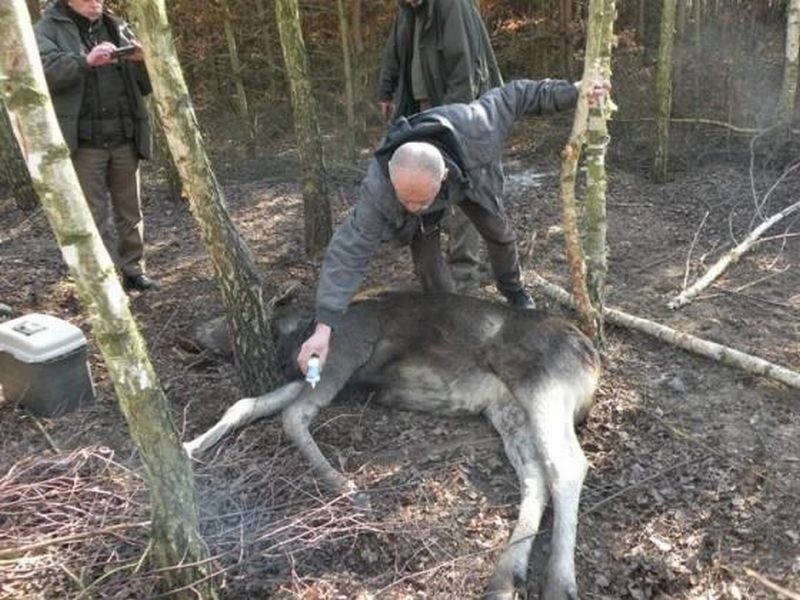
694	484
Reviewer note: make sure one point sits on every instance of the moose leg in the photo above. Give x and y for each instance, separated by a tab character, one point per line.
296	419
550	409
511	422
243	412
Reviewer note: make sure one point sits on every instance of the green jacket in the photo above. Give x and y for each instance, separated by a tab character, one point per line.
457	60
64	61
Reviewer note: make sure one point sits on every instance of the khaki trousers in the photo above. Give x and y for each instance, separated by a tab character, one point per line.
113	174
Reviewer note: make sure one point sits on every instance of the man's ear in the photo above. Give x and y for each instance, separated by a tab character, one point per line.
446	173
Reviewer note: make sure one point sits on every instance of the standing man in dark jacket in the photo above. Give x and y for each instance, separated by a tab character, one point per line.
438	52
98	98
430	162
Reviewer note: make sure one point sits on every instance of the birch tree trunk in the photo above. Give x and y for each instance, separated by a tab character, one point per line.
233	265
177	548
790	66
13	170
596	65
316	206
600	41
163	156
664	90
349	95
236	65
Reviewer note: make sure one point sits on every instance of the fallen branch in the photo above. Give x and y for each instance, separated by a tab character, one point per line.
783	592
687	295
725	355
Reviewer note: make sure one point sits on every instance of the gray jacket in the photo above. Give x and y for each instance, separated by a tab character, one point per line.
65	68
473	135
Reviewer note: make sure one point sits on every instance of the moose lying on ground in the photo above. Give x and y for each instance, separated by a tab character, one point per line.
532	375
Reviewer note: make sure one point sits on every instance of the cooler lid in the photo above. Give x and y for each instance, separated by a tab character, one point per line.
38	338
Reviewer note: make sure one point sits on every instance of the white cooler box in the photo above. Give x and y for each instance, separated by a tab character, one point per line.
43	365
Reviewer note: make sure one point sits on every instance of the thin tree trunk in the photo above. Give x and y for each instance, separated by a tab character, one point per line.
723	354
566	38
698	53
269	53
236	65
234	268
13	169
349	95
790	66
600	39
360	68
177	548
664	90
590	315
316	206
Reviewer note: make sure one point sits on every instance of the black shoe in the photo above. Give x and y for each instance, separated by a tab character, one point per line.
520	299
139	282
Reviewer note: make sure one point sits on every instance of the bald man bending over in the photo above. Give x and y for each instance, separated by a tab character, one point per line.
429	162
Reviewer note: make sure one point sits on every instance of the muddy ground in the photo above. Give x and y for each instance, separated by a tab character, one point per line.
694	486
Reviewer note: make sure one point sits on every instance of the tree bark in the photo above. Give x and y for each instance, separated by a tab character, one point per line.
725	355
361	69
664	90
269	53
13	169
316	206
596	66
786	104
349	94
566	38
176	544
163	156
234	268
600	41
236	65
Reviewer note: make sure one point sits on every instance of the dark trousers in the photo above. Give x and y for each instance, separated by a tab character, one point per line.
113	174
433	271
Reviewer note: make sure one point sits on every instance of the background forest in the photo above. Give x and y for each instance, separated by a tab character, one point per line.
694	485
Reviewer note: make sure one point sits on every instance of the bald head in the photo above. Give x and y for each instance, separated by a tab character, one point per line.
417	170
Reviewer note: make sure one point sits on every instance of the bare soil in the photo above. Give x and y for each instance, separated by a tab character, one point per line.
694	486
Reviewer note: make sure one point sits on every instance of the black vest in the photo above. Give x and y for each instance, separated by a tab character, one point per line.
106	116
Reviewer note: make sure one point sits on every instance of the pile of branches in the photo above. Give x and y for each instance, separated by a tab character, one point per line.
70	521
76	524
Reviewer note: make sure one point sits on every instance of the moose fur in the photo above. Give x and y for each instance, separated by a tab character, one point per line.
531	375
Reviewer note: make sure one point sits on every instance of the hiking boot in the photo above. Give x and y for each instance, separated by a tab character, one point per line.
140	282
520	299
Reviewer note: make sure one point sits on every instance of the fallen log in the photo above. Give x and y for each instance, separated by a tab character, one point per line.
725	355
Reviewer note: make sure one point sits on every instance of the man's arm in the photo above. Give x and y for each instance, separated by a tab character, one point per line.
346	261
62	68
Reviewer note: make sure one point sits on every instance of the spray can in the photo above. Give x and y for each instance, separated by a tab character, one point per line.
313	371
